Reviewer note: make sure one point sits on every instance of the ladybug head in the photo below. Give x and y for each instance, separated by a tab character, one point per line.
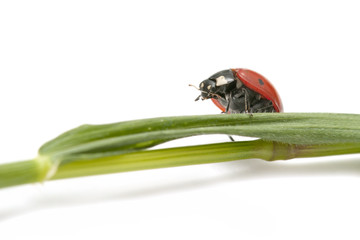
207	87
216	85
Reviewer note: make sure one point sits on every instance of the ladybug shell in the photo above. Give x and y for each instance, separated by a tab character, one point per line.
219	105
257	83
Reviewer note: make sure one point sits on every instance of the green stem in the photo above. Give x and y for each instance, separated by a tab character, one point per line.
200	154
36	170
18	173
120	147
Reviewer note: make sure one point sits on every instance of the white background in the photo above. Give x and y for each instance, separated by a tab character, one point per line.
65	63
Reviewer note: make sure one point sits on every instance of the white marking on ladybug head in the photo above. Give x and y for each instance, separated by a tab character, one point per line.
221	81
209	87
202	85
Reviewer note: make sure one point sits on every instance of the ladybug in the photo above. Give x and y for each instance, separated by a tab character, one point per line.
240	90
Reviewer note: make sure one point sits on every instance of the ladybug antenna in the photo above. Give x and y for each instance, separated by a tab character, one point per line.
197	99
209	94
198	89
194	87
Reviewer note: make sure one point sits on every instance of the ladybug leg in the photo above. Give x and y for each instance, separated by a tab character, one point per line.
248	109
228	100
227	107
246	97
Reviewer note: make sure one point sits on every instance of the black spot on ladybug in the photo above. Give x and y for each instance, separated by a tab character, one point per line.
261	81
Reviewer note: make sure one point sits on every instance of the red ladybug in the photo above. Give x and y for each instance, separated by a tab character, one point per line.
240	90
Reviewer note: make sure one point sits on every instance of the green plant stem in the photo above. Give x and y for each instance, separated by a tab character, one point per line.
200	154
119	147
17	173
35	170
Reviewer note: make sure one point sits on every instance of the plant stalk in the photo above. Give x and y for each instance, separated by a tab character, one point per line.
201	154
120	147
23	172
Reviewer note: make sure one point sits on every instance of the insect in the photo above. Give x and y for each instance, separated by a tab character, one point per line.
240	90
